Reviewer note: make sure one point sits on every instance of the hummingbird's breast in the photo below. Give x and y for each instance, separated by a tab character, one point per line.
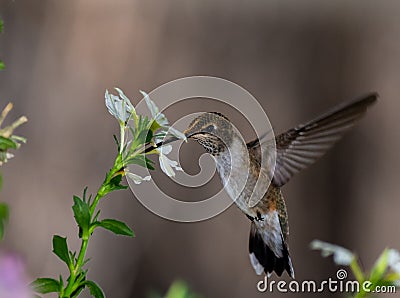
239	172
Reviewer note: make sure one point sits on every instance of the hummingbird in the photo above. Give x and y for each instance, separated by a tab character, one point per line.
294	150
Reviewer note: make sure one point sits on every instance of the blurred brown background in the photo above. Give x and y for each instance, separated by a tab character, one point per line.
298	58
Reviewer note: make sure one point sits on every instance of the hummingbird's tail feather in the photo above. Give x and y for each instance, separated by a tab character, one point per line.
262	256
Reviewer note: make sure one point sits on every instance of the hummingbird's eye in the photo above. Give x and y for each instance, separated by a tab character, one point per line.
210	128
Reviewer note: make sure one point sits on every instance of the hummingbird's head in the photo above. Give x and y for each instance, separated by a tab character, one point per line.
212	130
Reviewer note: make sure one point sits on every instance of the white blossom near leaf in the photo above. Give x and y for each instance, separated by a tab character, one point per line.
120	107
341	255
394	260
167	164
157	127
160	118
5	156
155	112
136	178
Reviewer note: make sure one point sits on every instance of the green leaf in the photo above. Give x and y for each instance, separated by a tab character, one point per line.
94	289
149	136
78	290
2	229
115	184
380	267
4	212
116	226
140	140
61	282
2	65
45	285
141	160
154	126
7	143
60	248
116	141
81	214
179	289
149	163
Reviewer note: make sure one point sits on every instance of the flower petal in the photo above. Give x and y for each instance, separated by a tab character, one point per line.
166	149
394	260
166	165
155	112
150	104
129	105
120	108
136	178
341	255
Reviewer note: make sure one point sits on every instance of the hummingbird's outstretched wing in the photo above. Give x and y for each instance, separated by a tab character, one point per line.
301	146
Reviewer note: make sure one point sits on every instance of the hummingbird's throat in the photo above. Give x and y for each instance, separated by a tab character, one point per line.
211	144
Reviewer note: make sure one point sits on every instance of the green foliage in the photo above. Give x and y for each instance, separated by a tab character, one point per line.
178	289
60	249
115	184
84	209
4	213
141	160
7	143
82	216
115	226
94	289
385	272
7	139
45	285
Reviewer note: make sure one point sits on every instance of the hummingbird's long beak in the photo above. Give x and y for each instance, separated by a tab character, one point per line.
159	144
188	133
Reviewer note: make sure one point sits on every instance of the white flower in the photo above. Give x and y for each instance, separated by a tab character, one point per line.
5	156
160	117
394	260
120	107
155	113
167	164
341	255
136	178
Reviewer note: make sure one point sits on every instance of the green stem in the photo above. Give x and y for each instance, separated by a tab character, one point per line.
359	275
81	256
77	268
